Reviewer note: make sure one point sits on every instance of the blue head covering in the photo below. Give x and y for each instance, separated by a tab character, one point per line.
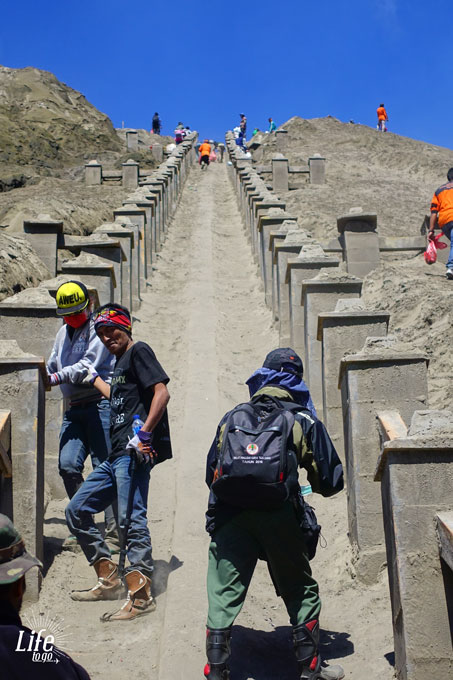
288	381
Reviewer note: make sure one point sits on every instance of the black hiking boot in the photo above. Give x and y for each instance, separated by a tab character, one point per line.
218	651
306	644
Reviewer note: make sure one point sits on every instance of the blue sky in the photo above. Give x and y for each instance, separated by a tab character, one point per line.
205	62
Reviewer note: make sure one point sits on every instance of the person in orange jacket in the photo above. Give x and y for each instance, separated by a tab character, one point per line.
382	118
442	216
204	151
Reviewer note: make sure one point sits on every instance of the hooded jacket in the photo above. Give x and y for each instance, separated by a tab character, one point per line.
73	354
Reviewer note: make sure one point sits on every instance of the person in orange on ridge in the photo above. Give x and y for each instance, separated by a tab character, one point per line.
382	118
442	216
204	151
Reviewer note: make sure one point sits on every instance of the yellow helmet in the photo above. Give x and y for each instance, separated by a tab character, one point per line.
72	297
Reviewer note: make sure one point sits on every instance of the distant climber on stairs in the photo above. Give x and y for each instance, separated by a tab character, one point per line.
205	152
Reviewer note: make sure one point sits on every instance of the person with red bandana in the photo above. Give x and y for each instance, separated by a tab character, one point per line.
86	421
137	392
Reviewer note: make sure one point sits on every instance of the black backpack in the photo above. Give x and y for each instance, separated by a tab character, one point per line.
257	464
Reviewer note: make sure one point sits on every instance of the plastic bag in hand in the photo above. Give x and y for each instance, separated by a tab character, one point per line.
140	451
434	244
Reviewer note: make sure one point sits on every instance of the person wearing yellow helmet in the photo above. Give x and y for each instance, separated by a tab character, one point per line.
76	356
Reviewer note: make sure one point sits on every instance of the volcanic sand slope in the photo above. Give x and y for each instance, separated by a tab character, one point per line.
385	173
395	177
204	315
46	124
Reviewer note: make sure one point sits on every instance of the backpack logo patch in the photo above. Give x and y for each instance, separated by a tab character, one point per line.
252	449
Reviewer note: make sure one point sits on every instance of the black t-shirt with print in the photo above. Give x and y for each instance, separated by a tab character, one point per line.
135	372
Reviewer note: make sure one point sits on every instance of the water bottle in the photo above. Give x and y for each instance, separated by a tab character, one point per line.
306	490
137	424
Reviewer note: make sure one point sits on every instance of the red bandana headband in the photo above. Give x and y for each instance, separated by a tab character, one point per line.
113	317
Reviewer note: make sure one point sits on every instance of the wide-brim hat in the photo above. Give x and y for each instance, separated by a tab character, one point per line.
15	561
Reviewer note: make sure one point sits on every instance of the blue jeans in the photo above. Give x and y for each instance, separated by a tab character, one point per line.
447	228
111	481
85	430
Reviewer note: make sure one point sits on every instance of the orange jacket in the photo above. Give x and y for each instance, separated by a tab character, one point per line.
205	149
442	203
382	113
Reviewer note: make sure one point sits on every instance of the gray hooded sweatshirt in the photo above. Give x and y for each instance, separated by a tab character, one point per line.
72	357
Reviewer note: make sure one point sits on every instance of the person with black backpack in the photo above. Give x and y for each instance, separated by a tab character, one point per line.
256	510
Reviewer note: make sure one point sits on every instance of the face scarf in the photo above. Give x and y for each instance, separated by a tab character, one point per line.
113	317
288	381
76	320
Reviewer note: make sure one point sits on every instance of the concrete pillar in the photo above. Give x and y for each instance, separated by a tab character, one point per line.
96	272
132	140
321	294
272	220
137	216
136	269
163	179
93	173
156	188
130	174
125	236
175	181
247	187
107	249
416	475
250	190
281	137
158	152
44	236
253	200
283	250
259	206
22	388
280	174
384	375
346	328
148	205
360	241
30	318
317	167
308	263
276	237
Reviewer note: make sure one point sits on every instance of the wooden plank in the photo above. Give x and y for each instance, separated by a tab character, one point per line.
5	444
391	425
445	534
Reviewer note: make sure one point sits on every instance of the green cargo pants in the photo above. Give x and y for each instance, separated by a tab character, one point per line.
234	551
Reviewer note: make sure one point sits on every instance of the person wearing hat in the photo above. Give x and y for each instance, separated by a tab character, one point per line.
240	534
86	421
138	392
24	653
